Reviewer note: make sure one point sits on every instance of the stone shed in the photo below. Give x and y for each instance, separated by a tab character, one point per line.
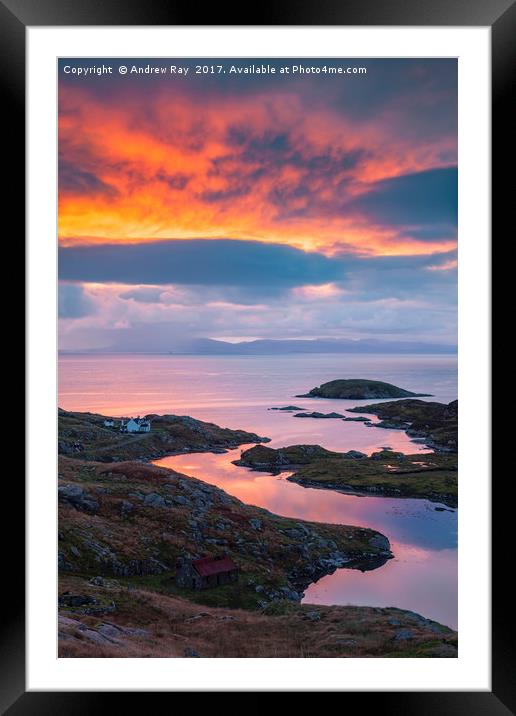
206	572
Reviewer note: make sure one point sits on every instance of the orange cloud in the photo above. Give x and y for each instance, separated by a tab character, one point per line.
257	167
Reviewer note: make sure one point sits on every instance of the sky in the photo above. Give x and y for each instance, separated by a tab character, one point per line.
237	206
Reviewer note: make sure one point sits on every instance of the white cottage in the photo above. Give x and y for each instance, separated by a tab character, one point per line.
135	425
109	423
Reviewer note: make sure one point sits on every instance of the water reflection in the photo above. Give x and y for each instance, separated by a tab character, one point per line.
422	575
236	392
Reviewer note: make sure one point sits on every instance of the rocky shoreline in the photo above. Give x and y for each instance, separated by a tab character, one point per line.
434	424
376	491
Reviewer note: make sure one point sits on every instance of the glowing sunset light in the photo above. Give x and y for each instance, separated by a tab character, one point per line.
323	290
258	197
228	241
225	164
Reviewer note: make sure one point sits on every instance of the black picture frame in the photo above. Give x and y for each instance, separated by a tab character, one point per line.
500	15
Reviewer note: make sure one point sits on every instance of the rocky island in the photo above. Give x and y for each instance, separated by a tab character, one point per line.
435	424
359	389
274	460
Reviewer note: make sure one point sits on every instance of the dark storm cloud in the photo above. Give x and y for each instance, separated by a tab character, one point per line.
423	93
197	262
247	271
424	198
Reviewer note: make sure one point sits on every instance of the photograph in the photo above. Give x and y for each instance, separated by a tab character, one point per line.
257	369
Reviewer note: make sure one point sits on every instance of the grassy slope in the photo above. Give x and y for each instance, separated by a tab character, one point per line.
169	626
431	476
134	520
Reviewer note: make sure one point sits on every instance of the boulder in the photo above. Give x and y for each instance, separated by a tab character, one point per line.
355	454
76	495
154	500
312	616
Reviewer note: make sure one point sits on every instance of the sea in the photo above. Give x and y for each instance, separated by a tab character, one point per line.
237	392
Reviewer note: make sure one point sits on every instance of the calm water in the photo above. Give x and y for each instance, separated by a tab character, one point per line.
236	392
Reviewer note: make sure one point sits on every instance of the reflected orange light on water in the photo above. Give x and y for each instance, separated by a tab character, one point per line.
422	575
237	393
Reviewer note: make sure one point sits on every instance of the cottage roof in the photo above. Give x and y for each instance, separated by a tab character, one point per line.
213	565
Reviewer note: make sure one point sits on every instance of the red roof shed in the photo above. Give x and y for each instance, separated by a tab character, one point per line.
208	566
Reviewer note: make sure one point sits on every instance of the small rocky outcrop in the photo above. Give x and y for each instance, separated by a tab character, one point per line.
275	460
269	459
315	414
288	408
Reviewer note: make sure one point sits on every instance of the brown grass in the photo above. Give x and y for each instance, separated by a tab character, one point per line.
222	633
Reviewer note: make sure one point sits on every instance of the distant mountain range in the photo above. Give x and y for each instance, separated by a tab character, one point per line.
208	346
